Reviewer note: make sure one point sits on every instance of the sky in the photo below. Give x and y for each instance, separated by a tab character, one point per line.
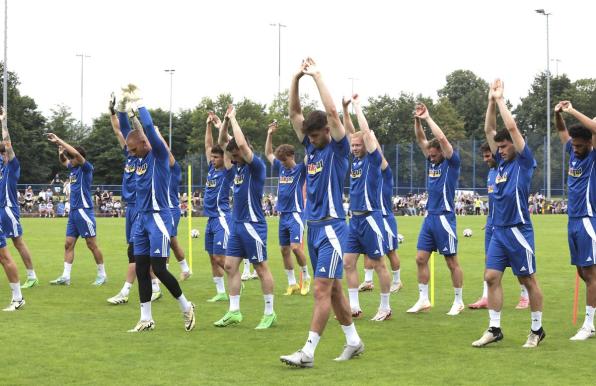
230	47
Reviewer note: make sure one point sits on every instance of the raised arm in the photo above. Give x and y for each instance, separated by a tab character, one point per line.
115	122
560	124
66	147
369	139
6	135
518	140
419	131
490	122
223	137
268	142
61	157
245	150
590	124
338	132
172	160
208	136
347	119
446	147
296	116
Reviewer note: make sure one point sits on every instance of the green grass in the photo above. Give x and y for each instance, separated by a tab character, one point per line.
70	335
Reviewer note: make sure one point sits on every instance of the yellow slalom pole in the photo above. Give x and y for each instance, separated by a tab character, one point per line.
189	215
432	279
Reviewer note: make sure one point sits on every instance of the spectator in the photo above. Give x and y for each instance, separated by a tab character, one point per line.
66	189
97	196
50	209
49	194
29	199
56	184
60	209
42	209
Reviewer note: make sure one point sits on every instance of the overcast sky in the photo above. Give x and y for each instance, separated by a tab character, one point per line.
229	46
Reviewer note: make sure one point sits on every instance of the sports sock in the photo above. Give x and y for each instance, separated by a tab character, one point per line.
589	321
183	303
291	277
146	311
126	288
485	290
354	301
368	274
495	318
16	291
524	291
31	274
385	302
101	270
311	343
219	284
396	276
154	285
422	291
458	295
246	267
536	320
268	304
234	302
352	337
305	275
184	266
67	269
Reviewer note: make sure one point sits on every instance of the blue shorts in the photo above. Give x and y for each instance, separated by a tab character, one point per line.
81	222
151	235
326	246
10	222
248	240
217	234
488	234
131	217
175	220
390	232
291	228
512	247
582	241
365	235
438	233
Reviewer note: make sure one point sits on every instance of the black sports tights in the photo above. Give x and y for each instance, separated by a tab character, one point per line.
143	264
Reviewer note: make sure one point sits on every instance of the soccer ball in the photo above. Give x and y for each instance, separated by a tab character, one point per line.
400	238
467	232
195	233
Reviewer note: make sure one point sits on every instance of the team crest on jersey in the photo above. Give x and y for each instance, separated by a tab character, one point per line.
501	178
73	178
129	168
286	179
314	168
141	169
491	188
211	183
356	173
434	173
239	179
575	172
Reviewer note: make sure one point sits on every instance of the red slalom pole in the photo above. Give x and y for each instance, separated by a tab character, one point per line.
575	298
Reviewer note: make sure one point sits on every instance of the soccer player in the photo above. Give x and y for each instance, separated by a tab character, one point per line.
216	206
290	205
364	234
151	237
9	205
327	151
248	236
81	219
390	225
438	231
580	142
512	242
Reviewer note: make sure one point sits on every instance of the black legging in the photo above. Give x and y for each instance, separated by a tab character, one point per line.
143	264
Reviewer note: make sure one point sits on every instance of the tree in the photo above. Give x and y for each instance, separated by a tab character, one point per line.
104	152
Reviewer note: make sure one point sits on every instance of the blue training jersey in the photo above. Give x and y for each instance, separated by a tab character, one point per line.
387	191
216	201
248	191
490	187
326	172
442	180
129	178
581	180
512	189
365	182
153	170
81	178
289	188
10	174
174	188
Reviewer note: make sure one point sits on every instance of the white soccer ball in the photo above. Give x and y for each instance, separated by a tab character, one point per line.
400	238
467	232
195	233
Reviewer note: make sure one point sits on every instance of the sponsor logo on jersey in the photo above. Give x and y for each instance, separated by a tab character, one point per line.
575	172
501	178
316	167
73	178
356	173
286	179
239	179
434	173
491	188
129	168
141	169
211	183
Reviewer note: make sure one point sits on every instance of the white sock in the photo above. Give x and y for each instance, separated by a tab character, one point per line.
396	276
219	284
354	301
291	277
368	274
31	274
305	275
168	266
422	291
184	266
524	291
536	320
352	337
485	290
495	318
146	311
268	304
234	302
16	291
385	302
183	303
458	296
154	285
311	343
126	288
246	267
101	270
589	321
67	269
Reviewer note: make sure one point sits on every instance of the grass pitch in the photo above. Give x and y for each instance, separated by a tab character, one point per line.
71	335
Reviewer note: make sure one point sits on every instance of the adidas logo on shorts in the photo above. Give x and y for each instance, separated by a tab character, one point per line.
322	270
523	269
157	251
